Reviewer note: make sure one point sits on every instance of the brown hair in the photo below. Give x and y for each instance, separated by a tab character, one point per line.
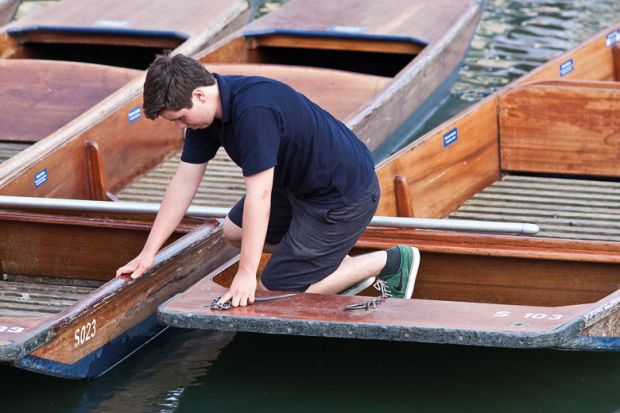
170	81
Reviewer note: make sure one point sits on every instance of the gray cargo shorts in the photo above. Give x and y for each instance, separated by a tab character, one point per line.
312	242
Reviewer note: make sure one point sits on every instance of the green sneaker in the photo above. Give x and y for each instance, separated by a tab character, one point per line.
400	284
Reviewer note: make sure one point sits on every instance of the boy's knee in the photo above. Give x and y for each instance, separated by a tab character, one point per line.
232	232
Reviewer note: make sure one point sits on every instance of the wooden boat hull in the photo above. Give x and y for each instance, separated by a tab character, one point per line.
461	297
98	330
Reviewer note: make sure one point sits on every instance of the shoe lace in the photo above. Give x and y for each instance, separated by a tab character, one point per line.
384	292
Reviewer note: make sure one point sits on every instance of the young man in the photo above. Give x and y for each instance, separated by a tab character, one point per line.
311	185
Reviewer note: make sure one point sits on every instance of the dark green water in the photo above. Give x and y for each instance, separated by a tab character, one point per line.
190	371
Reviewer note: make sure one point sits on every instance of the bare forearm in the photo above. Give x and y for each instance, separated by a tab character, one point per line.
255	220
177	199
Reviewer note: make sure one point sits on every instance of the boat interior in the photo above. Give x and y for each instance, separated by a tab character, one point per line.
49	261
542	152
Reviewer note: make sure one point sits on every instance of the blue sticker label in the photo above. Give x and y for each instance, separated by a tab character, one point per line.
450	137
613	38
40	178
567	67
134	114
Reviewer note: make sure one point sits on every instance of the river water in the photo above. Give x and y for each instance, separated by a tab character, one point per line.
190	371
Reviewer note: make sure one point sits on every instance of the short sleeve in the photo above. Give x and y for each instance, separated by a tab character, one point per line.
200	145
258	134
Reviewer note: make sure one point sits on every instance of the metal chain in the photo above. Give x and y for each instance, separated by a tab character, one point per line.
227	304
374	302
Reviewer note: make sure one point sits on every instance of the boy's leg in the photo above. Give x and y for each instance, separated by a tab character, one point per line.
317	242
279	222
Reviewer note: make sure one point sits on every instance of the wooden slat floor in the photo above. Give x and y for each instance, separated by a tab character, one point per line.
35	296
9	149
562	208
222	185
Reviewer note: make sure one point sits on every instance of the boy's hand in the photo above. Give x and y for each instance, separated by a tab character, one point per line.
241	291
137	266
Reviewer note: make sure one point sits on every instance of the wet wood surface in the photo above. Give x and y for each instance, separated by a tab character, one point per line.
328	309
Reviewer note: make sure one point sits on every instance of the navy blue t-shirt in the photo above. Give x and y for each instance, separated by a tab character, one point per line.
266	123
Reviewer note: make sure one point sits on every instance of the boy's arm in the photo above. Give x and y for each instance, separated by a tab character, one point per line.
177	199
255	219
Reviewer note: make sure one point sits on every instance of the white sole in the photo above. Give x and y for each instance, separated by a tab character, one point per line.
413	272
359	287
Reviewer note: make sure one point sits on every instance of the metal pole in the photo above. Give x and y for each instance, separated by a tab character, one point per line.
202	211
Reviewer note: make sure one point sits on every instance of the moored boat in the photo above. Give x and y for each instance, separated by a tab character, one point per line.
542	151
63	312
64	59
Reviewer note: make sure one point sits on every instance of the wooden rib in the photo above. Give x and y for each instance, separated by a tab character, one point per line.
96	174
404	203
222	185
10	149
616	59
564	208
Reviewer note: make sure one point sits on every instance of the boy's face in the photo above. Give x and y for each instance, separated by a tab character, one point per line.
199	116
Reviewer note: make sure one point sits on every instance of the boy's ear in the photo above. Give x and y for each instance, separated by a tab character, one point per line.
198	94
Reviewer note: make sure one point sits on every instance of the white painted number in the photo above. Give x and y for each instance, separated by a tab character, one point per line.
5	329
535	316
85	333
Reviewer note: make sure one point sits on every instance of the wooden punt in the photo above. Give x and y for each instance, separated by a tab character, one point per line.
49	74
63	312
543	150
369	63
120	33
470	290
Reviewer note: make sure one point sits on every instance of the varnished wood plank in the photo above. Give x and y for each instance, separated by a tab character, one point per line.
177	21
546	129
52	92
405	18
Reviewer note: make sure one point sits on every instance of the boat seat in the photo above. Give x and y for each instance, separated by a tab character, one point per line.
340	93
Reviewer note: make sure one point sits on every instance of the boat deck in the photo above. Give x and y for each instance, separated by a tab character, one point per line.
25	296
10	149
222	185
562	208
